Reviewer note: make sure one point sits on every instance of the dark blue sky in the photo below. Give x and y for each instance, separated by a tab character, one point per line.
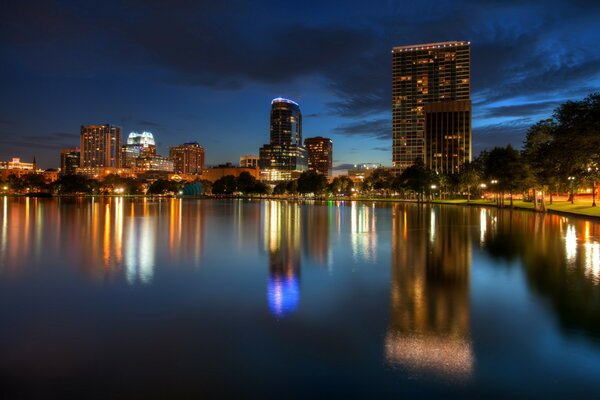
207	70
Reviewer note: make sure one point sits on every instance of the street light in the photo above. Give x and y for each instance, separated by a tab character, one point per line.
593	172
571	181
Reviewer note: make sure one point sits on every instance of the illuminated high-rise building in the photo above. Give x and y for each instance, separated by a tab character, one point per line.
188	158
284	158
431	79
320	155
100	146
69	161
138	145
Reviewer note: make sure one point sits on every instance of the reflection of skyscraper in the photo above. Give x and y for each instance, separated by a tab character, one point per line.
429	328
364	234
431	78
315	234
282	242
284	157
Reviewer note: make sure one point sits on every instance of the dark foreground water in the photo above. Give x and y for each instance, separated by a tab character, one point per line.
121	298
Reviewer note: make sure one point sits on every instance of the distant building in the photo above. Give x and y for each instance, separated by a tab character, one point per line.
249	161
153	163
424	74
69	161
362	171
187	158
17	168
320	153
100	146
284	158
214	173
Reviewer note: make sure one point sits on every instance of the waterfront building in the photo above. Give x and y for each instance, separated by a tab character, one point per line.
422	75
249	161
320	155
153	163
17	168
188	158
69	161
214	173
100	146
284	158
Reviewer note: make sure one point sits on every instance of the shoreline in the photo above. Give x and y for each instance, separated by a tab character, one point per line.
580	210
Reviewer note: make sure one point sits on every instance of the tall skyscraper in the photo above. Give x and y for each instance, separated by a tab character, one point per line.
320	155
100	146
188	158
423	76
69	161
138	145
284	157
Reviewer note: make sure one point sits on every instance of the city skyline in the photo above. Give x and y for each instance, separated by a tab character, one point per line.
145	75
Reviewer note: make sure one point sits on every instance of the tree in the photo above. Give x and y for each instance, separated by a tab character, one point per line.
506	167
75	184
311	182
163	186
341	185
540	152
469	177
417	178
225	185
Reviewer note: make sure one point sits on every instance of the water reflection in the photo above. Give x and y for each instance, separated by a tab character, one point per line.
104	238
429	330
363	231
281	241
561	258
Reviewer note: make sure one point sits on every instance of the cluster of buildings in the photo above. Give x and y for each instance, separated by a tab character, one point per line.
431	122
285	157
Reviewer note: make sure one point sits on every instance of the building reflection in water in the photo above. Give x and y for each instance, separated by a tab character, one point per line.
316	220
429	328
106	239
281	225
363	231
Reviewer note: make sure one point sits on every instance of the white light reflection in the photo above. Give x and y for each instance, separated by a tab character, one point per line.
432	226
571	244
592	261
363	234
4	226
482	225
139	256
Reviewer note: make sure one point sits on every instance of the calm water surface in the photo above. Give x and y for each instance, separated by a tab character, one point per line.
134	298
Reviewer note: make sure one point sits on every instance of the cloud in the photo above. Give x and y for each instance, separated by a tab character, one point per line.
53	140
386	149
376	128
500	134
522	110
149	123
342	167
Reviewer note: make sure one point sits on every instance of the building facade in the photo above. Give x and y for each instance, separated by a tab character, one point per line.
187	158
447	135
284	158
423	74
100	146
69	161
249	161
320	155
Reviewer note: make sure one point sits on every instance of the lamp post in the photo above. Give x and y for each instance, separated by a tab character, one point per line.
433	187
571	181
496	195
593	172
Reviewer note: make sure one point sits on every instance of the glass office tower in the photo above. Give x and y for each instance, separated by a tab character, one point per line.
421	75
284	158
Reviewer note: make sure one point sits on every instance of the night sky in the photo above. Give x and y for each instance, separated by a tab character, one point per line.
206	71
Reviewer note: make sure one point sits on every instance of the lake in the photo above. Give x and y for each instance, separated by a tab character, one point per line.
179	298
